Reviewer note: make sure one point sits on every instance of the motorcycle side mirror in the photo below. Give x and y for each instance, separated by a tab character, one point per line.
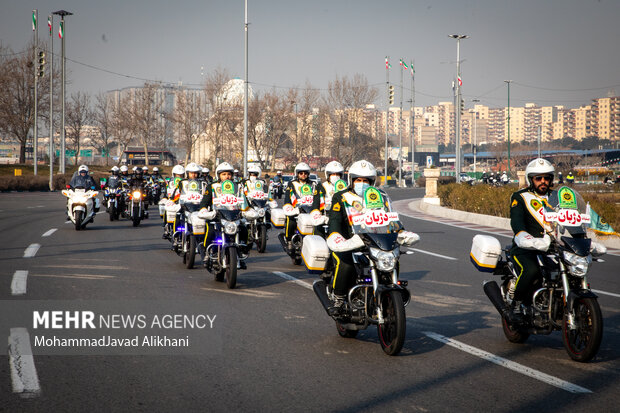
68	186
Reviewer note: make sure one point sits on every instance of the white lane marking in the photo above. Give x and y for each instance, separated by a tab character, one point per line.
81	276
434	254
606	293
23	373
18	285
511	365
37	206
50	232
437	221
31	251
291	278
89	266
249	293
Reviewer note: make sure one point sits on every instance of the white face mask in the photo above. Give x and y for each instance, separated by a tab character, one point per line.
360	187
252	178
333	178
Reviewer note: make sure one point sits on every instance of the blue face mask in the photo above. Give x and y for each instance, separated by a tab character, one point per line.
360	187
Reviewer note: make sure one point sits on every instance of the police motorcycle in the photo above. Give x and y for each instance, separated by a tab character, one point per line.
378	297
562	298
114	197
135	208
259	202
305	224
80	205
225	255
188	236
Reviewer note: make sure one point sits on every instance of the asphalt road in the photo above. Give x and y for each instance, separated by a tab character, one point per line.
280	351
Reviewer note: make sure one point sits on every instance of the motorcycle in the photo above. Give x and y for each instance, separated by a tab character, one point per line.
378	296
135	210
114	199
224	255
562	298
191	234
276	189
257	228
305	226
81	206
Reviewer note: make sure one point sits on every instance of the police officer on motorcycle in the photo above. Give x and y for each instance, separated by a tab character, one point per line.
255	183
278	181
190	185
293	193
178	173
83	180
341	241
223	172
323	194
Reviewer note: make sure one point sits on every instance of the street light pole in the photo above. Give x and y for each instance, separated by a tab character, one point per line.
35	29
61	33
475	133
387	115
508	114
458	38
51	154
245	103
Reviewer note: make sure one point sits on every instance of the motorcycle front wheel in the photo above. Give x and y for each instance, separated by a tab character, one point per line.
136	216
392	331
190	255
261	242
231	269
112	212
583	342
78	220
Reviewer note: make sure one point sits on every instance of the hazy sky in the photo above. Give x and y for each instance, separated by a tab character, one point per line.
562	52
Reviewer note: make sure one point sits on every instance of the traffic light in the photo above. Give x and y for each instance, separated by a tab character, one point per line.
41	64
462	106
391	94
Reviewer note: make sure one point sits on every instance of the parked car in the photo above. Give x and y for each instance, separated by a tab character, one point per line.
466	178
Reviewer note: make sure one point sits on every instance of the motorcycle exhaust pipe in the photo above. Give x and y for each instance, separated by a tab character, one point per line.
491	289
320	290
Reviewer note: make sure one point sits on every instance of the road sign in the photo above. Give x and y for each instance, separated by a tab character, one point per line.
429	161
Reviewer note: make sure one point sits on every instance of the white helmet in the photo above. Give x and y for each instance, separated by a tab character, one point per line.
334	167
223	167
254	169
145	169
124	168
114	168
362	169
156	169
279	172
301	167
83	168
193	167
538	166
134	169
205	170
178	170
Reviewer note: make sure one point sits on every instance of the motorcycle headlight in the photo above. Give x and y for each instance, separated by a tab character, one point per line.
136	194
385	261
577	265
260	212
230	227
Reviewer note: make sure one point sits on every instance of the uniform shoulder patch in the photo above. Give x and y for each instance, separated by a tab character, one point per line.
514	203
336	207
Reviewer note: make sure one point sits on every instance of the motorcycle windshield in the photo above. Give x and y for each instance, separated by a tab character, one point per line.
260	203
229	214
386	242
568	213
580	246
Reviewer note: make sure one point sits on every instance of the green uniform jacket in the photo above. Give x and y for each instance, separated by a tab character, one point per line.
523	205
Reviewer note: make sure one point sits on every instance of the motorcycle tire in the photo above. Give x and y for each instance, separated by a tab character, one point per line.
261	242
583	342
392	331
190	255
78	220
136	216
231	269
344	332
513	333
296	260
112	212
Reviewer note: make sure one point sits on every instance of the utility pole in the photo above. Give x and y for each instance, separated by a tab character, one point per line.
508	114
412	125
245	103
475	101
387	115
50	23
459	83
61	34
400	125
35	29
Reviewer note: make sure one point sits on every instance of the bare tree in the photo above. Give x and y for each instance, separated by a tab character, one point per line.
122	125
103	117
78	115
219	109
190	117
145	109
17	96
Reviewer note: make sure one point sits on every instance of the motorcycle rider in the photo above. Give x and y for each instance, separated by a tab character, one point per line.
178	172
83	180
255	183
341	241
190	185
504	178
205	175
293	193
278	179
113	182
570	178
223	172
323	194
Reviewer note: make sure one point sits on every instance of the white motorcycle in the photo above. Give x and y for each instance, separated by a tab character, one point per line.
81	207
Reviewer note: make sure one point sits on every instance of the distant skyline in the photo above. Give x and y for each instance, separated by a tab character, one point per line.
556	52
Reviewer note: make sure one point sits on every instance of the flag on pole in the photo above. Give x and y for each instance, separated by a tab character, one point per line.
34	20
460	81
401	62
61	31
599	225
412	69
405	66
49	23
387	63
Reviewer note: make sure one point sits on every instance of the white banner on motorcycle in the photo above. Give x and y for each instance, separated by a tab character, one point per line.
375	218
568	217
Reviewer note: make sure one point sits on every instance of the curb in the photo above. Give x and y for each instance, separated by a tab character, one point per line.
491	221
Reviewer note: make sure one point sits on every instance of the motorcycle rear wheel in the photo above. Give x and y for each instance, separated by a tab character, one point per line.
261	242
392	331
583	342
513	334
231	269
79	216
344	332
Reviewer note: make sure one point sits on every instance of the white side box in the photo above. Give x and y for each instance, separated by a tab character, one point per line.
485	252
304	224
315	253
278	219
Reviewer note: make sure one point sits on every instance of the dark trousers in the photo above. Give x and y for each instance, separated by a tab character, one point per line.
344	272
291	227
528	273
